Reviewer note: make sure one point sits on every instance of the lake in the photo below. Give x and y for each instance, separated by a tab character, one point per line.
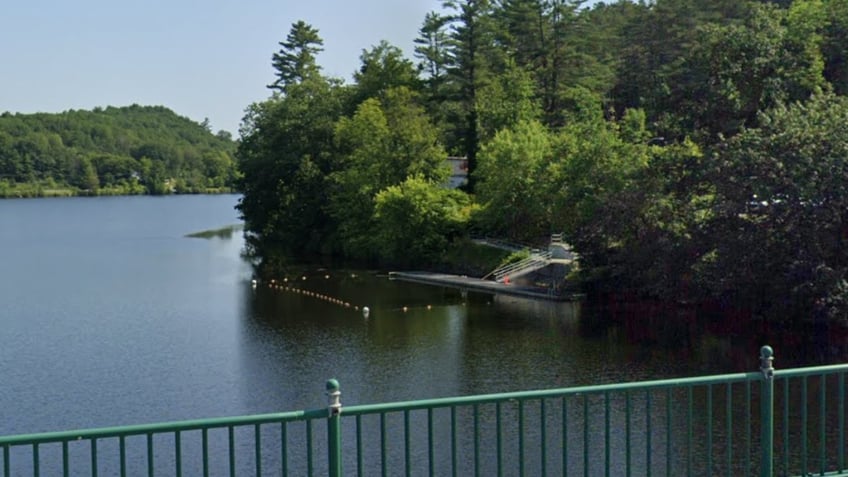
111	315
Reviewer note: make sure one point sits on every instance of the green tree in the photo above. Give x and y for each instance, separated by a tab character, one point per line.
512	182
285	156
381	145
835	37
417	219
779	225
735	71
470	38
86	175
431	48
383	67
295	62
506	101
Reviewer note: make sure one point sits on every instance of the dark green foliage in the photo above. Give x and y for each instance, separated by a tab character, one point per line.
779	221
285	156
133	149
383	68
416	220
689	150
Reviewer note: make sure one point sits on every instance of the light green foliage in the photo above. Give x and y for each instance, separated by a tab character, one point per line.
415	220
594	163
506	101
513	183
381	145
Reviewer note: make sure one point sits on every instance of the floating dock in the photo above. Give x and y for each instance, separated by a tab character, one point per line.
486	286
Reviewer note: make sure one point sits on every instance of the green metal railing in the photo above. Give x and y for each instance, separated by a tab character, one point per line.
767	422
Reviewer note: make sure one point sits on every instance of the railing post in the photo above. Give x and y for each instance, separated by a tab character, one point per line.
767	412
334	432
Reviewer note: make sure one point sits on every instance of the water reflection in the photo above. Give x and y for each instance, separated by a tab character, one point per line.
423	342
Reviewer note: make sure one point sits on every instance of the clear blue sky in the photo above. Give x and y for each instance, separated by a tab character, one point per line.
202	59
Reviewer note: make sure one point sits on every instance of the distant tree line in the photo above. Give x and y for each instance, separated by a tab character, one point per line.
689	150
128	150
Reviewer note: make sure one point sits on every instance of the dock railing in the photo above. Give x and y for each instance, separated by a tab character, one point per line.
762	423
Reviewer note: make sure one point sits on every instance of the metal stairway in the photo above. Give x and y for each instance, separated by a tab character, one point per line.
535	261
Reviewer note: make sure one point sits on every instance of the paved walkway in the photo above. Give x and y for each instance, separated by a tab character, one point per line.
476	284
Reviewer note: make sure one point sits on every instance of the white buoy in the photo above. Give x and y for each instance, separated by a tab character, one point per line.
365	311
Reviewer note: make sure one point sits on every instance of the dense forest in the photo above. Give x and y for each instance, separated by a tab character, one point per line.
129	150
689	150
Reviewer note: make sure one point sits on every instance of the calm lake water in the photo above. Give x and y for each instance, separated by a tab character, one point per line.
110	315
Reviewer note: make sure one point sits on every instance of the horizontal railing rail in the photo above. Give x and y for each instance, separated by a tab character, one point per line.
534	262
767	422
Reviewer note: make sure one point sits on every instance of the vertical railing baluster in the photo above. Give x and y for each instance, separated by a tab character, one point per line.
748	419
822	420
453	441
122	451
585	435
709	429
284	448
35	464
384	464
521	438
565	436
257	449
606	433
627	433
786	425
178	454
804	425
360	470
150	454
476	413
431	455
728	410
543	430
498	439
204	444
6	461
689	432
407	444
310	469
93	457
65	460
841	412
231	437
669	399
648	434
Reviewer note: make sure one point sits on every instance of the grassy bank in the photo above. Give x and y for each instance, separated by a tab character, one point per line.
14	190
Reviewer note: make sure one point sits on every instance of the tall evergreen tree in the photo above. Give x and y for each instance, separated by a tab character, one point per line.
470	39
296	59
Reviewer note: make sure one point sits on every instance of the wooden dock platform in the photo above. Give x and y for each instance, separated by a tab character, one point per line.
486	286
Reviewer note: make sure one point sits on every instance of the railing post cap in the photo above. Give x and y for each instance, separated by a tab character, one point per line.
766	352
332	385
